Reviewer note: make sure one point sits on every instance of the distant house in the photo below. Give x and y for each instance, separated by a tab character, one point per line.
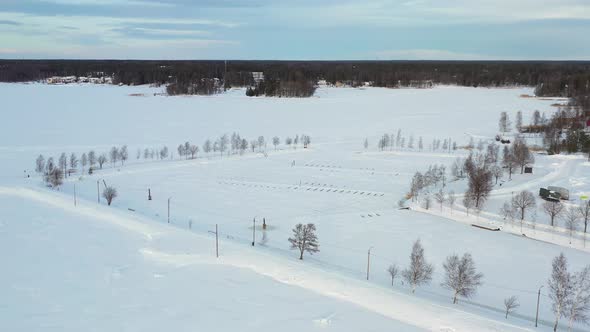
258	76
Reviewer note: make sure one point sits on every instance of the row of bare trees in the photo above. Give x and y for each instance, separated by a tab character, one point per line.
389	141
55	171
572	215
460	274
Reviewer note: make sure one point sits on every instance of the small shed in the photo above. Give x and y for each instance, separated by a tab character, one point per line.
528	170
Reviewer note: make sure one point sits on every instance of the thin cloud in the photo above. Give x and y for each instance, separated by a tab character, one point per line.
9	22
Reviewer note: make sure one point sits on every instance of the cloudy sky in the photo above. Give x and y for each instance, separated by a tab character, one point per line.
295	29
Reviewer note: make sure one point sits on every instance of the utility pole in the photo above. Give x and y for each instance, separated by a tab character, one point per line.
216	242
253	231
169	209
368	262
538	299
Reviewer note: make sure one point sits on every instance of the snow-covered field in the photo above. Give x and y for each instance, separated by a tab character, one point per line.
124	268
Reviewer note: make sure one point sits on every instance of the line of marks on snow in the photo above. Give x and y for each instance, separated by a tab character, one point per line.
303	187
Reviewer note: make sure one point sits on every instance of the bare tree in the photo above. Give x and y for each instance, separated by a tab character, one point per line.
54	177
523	201
40	164
109	193
288	141
146	153
73	161
584	210
181	150
304	239
306	140
521	154
261	143
243	145
101	160
366	143
560	288
440	198
84	161
63	163
50	165
497	172
571	216
393	271
123	154
419	272
223	140
114	155
468	202
207	146
519	121
275	141
579	305
461	276
511	304
91	158
504	123
451	198
507	211
508	161
416	186
193	150
480	185
187	147
553	210
164	152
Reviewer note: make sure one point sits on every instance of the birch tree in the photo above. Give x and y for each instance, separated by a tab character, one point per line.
572	217
560	288
40	164
584	210
579	306
511	304
461	276
419	272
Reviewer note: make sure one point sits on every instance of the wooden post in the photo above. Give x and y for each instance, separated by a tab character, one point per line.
75	203
97	191
169	209
253	231
538	299
368	262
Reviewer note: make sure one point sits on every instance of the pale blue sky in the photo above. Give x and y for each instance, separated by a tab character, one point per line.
296	29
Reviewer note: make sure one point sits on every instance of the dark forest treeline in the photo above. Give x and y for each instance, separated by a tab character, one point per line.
557	78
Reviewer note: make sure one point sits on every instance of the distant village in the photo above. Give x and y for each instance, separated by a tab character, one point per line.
81	79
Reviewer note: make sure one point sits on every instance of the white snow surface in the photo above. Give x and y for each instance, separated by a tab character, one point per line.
93	267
